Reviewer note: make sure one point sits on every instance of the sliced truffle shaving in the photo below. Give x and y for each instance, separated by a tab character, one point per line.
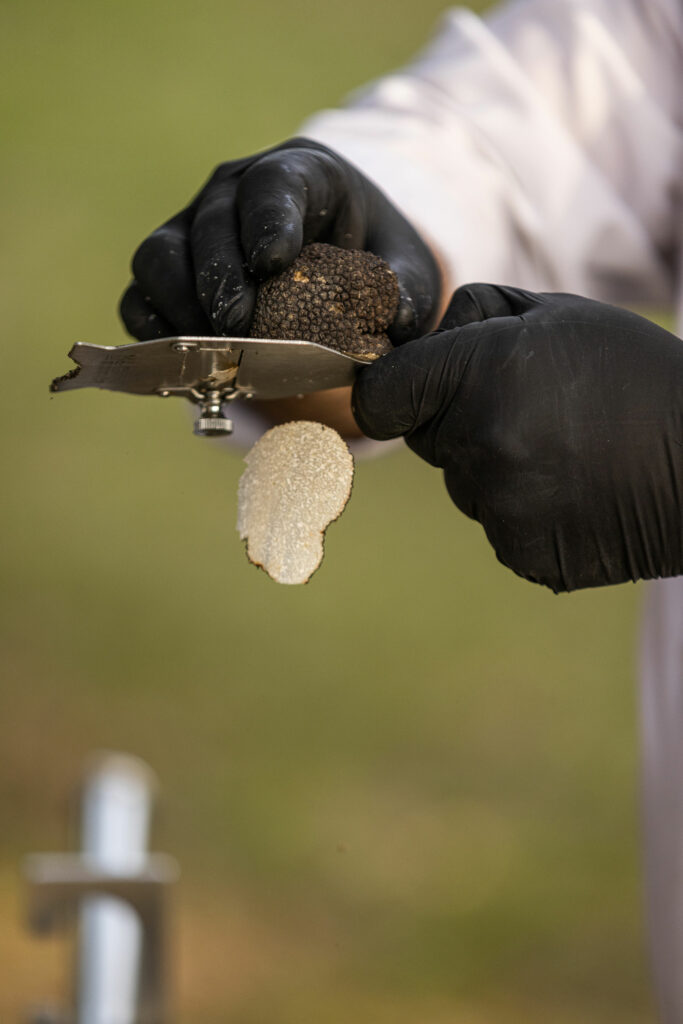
297	481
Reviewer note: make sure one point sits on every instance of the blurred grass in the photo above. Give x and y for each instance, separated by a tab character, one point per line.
405	792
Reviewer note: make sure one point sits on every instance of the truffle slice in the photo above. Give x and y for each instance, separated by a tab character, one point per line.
297	481
343	298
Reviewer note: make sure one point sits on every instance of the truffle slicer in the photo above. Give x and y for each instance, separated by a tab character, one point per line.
210	371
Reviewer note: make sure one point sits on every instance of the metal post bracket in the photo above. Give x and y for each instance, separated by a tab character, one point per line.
57	882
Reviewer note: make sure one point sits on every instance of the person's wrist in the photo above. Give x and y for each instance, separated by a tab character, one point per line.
332	407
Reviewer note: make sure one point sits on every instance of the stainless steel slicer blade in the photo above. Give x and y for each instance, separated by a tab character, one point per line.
210	371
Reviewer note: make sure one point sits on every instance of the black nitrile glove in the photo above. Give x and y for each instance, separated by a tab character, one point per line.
197	274
559	424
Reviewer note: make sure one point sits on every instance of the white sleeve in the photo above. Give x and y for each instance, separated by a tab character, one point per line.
541	146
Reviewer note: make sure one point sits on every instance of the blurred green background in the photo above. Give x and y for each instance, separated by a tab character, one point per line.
405	793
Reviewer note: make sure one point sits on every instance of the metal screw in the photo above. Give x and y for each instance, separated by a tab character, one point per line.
211	421
183	346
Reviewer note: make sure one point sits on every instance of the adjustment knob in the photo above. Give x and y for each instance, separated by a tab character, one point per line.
212	426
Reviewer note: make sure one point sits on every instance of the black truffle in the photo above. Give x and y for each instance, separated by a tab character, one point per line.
343	298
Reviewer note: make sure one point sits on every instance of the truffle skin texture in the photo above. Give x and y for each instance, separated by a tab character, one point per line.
342	298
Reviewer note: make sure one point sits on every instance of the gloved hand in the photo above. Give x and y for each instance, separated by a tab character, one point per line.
559	424
197	273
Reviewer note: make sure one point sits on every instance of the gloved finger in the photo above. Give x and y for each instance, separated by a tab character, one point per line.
406	388
476	302
291	197
140	319
225	289
162	266
419	280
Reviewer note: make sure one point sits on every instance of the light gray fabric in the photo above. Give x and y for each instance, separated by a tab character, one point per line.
540	147
662	741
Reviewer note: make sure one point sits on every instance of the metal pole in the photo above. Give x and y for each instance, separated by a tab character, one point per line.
116	817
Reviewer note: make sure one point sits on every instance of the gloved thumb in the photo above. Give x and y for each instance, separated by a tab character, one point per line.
405	388
409	386
476	302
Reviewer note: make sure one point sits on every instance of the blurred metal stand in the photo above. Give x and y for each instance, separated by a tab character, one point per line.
118	894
